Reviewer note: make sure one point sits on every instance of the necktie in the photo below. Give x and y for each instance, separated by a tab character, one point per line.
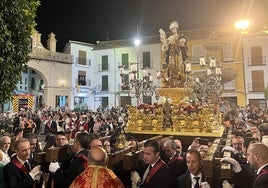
27	165
197	182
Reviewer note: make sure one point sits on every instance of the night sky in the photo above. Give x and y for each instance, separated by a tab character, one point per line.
91	20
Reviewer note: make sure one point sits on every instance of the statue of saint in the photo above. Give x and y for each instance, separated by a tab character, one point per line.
175	54
167	114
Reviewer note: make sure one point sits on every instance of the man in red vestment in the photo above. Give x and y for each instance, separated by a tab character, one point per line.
97	174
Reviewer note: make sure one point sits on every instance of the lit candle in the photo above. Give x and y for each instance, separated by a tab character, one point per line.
151	78
188	67
212	62
158	74
208	72
131	76
145	72
122	70
202	61
218	71
133	67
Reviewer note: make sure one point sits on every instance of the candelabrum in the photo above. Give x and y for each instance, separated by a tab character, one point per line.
136	87
205	86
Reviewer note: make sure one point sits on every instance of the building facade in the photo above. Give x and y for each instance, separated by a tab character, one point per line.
81	75
88	77
255	52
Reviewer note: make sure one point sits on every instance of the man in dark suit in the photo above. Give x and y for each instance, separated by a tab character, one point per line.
20	172
35	147
63	179
176	163
50	125
257	155
193	177
157	173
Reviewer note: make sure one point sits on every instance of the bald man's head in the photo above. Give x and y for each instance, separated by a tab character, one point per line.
98	156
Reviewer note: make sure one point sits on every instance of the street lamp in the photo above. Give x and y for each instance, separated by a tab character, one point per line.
242	24
137	42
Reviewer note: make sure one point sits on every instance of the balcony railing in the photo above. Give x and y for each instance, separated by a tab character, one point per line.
257	87
229	86
257	61
83	82
104	89
141	65
103	68
83	62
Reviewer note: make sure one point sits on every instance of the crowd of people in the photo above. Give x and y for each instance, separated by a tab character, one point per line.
85	142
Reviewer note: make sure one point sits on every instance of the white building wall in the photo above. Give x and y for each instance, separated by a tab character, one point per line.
248	42
94	72
81	93
115	60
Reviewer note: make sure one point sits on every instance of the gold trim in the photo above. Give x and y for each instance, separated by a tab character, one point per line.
215	134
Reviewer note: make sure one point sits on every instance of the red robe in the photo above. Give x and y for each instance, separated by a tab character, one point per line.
95	176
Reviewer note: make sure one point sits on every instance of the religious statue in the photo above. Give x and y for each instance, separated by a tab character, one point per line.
167	114
175	55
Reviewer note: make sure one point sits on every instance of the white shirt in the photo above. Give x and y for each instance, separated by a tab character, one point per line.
259	170
194	180
265	140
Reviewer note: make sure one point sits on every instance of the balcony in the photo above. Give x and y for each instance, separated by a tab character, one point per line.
83	82
102	67
257	61
229	86
257	87
83	62
104	89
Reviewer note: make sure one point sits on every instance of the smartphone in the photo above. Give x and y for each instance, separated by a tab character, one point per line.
203	141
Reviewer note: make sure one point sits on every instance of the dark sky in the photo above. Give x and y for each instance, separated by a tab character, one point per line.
90	20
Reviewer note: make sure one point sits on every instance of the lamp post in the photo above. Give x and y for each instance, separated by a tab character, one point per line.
136	87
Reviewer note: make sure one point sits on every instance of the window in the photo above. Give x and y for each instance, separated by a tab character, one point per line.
82	57
227	52
256	55
81	78
125	100
104	83
104	64
147	99
198	51
20	84
126	77
125	61
257	81
61	101
258	102
33	85
41	85
25	84
146	59
105	102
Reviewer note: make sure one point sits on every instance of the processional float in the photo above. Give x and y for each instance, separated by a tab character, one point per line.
188	101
